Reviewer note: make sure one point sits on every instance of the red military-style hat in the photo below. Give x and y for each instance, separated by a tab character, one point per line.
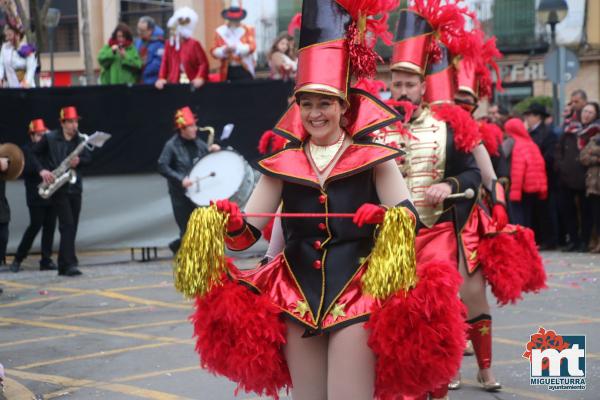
37	126
474	70
410	51
69	112
184	117
440	79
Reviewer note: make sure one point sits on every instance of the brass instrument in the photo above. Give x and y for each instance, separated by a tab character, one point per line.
211	134
64	173
16	161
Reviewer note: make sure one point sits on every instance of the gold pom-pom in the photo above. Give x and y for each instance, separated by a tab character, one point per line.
392	263
200	261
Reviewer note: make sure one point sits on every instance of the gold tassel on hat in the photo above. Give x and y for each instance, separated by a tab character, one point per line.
392	263
200	261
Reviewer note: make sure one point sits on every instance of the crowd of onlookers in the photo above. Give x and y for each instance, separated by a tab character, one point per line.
565	212
146	59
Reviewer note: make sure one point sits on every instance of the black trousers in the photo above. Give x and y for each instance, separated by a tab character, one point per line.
67	207
3	241
577	215
238	73
522	211
182	209
40	217
595	207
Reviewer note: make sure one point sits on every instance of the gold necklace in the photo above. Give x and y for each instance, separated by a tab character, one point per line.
322	156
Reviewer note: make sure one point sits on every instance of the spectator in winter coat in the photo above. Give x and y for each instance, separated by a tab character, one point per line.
528	173
545	219
151	47
590	158
120	61
575	206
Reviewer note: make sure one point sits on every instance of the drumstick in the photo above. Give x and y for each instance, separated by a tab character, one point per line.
200	178
467	194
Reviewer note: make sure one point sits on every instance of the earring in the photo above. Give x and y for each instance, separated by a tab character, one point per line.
343	122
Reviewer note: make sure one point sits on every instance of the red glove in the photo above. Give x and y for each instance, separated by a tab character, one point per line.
369	214
236	221
499	216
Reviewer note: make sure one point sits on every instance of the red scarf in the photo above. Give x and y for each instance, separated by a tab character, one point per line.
126	44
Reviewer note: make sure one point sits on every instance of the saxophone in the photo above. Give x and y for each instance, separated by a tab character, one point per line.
64	173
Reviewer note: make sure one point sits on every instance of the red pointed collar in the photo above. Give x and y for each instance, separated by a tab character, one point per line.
365	115
292	165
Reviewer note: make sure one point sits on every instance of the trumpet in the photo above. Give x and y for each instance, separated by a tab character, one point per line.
16	161
211	134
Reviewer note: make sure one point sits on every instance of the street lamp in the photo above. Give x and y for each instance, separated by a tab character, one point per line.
51	22
552	12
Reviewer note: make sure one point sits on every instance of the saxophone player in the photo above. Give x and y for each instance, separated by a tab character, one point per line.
176	160
50	151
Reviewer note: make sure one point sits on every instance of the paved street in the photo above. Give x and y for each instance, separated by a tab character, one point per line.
120	332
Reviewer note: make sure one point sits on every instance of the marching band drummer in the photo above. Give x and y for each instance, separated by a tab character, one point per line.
176	160
51	150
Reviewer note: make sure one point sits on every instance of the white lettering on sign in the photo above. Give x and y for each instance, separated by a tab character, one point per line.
523	72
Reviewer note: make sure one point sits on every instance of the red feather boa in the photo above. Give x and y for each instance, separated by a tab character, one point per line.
511	264
240	335
492	137
419	337
466	130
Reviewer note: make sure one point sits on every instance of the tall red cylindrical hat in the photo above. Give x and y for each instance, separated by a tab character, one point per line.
68	112
411	43
466	77
323	59
37	126
440	80
184	117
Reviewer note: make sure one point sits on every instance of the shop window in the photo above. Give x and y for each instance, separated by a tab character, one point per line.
513	93
132	10
67	32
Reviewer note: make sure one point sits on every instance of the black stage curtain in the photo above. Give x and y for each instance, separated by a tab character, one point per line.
140	118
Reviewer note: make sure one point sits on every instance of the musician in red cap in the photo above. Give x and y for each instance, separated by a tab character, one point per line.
234	45
41	211
184	60
348	261
176	160
50	151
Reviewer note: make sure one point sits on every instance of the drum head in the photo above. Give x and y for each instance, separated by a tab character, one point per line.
216	176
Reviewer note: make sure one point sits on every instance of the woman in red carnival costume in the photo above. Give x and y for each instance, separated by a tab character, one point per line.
342	312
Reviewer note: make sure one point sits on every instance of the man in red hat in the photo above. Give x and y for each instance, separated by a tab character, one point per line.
50	151
41	212
176	160
235	45
184	60
438	163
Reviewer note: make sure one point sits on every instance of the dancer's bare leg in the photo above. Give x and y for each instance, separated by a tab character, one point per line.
351	369
307	362
473	295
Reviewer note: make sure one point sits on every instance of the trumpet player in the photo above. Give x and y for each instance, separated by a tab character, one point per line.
41	212
176	160
50	151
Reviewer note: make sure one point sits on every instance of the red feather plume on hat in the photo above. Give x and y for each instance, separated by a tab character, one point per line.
295	24
364	12
448	21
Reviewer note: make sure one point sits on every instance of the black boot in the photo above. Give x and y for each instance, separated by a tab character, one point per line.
15	266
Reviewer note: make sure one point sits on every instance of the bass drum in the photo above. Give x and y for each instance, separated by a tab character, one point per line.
220	175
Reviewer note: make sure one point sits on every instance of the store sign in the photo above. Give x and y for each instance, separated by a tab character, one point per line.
523	72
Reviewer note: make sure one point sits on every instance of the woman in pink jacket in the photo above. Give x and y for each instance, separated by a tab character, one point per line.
528	173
